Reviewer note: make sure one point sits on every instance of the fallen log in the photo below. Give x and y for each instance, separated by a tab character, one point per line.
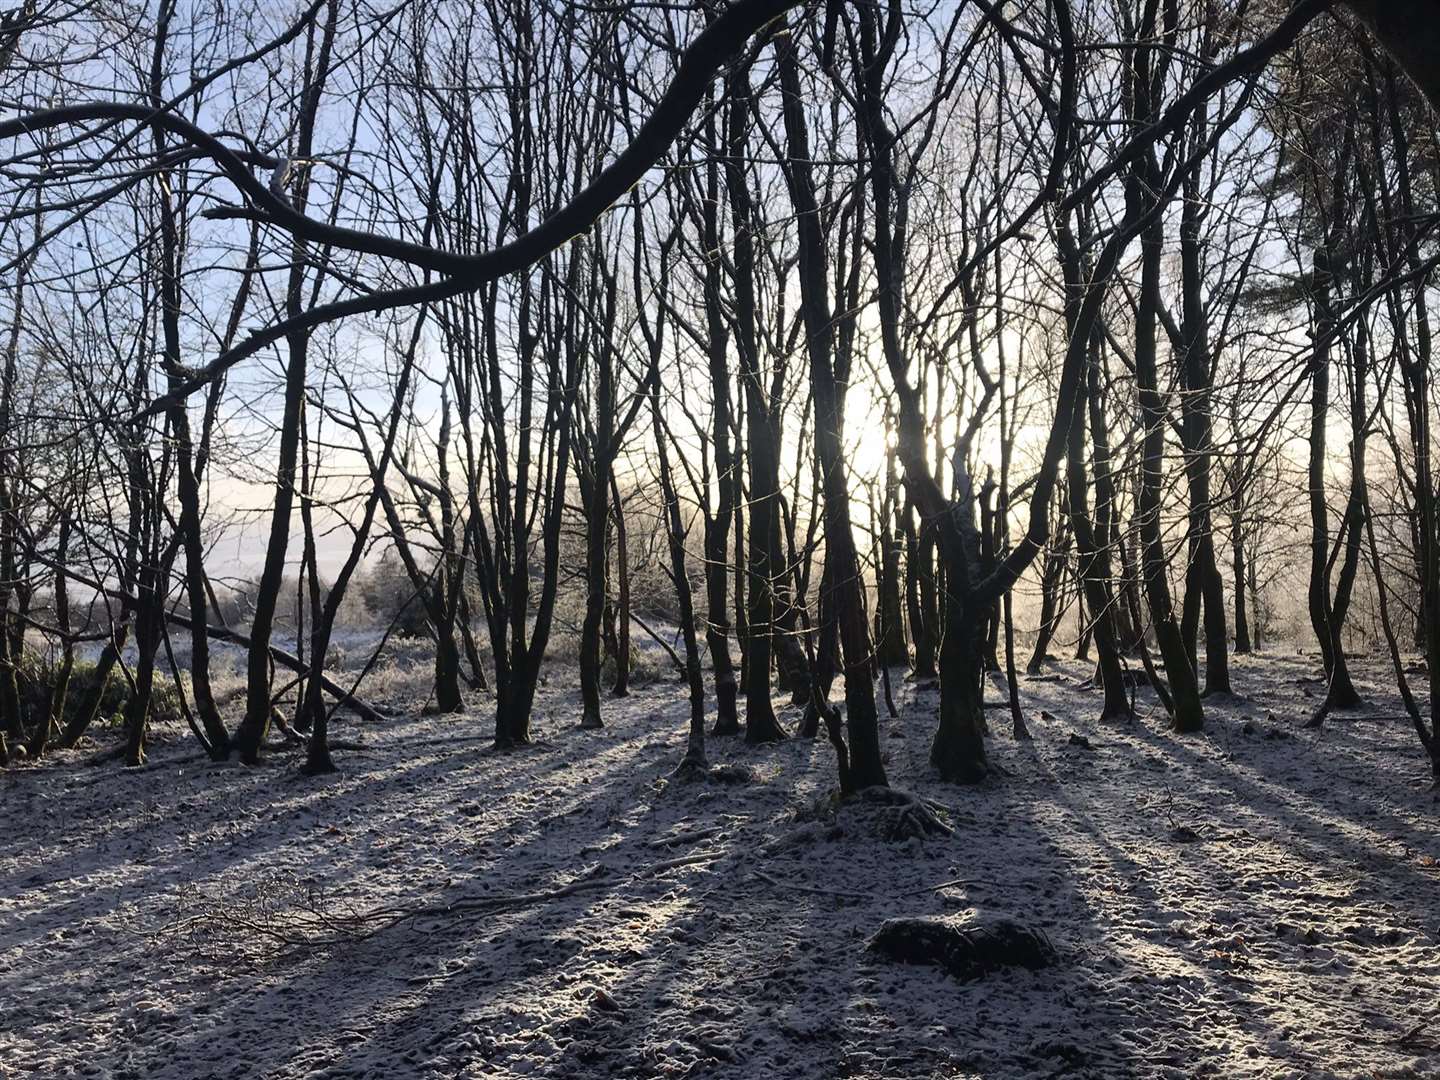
356	705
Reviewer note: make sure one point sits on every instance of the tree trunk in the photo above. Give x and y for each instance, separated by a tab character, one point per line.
1052	585
862	767
958	748
187	482
49	725
148	630
1341	693
1093	560
90	705
256	723
761	450
477	678
514	701
1196	428
596	488
717	624
727	476
920	593
1242	614
694	762
622	595
891	650
1186	711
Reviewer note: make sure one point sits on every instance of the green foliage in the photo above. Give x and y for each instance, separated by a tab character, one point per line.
36	676
644	666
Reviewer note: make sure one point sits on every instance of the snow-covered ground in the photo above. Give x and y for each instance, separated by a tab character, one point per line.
1259	901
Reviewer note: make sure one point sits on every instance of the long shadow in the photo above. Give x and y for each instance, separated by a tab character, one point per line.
746	984
242	846
356	984
1295	779
1307	820
275	788
160	825
404	1008
712	969
1168	938
1254	941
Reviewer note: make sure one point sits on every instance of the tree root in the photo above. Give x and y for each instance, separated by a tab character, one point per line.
914	816
691	770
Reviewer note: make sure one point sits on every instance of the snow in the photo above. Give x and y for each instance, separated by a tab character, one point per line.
1257	901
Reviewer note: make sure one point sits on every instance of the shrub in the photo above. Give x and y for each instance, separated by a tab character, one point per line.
392	597
36	675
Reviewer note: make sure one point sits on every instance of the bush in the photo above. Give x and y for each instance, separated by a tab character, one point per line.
36	675
391	596
646	666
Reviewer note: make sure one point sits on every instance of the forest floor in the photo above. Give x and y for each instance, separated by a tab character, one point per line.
1256	901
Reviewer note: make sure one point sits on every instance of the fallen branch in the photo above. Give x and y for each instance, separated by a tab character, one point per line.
685	837
795	887
674	656
231	637
952	883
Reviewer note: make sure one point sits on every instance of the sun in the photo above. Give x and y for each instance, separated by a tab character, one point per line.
867	445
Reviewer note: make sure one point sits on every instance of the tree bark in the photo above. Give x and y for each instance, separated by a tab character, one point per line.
761	450
1185	709
621	688
863	766
1196	428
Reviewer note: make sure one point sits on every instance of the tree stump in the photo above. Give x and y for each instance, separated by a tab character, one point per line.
965	949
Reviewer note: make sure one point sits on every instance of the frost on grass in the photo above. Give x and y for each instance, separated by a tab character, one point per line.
1231	905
